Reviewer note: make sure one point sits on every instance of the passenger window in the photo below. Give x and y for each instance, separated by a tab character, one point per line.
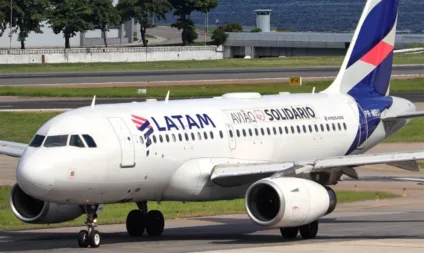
141	140
37	141
322	128
268	131
193	137
316	128
199	136
160	138
286	129
334	127
76	141
167	138
250	132
244	132
256	132
340	128
292	129
262	131
310	128
281	130
211	135
186	137
328	128
221	134
274	130
231	134
56	141
89	140
298	129
304	129
238	133
180	137
174	138
344	125
154	138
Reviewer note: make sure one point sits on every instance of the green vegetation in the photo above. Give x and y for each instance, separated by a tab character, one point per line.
219	37
117	213
189	91
413	132
256	30
233	28
213	64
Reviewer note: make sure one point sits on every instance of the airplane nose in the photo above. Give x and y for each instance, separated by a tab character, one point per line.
34	178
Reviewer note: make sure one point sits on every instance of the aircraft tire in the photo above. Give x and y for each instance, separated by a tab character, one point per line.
309	231
94	239
135	223
289	233
83	239
155	223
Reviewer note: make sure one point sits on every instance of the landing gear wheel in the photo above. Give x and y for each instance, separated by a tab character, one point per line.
136	223
289	233
309	231
83	239
94	239
155	223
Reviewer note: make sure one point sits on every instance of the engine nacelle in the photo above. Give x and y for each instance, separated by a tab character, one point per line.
32	210
288	202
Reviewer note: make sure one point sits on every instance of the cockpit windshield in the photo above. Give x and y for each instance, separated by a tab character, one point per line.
76	141
37	141
56	141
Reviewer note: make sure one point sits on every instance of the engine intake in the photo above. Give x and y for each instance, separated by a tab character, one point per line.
288	202
31	210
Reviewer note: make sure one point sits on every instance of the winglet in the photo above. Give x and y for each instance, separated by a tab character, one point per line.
167	97
93	103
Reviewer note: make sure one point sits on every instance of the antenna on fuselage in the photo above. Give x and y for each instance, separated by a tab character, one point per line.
313	91
93	103
167	97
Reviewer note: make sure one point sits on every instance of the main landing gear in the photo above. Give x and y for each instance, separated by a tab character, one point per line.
142	220
90	237
308	231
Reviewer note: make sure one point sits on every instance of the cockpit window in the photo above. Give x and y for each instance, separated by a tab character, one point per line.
56	141
37	141
76	141
89	140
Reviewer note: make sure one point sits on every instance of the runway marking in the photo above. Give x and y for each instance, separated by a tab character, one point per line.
378	206
6	106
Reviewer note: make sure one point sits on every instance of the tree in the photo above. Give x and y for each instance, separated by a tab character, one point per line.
142	11
28	16
183	10
219	37
104	14
70	17
233	28
3	10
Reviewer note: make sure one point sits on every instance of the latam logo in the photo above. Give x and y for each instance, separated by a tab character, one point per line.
183	122
144	126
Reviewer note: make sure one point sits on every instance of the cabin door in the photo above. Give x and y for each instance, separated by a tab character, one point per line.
126	141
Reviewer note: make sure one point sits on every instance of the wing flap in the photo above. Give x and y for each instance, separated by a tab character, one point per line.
12	148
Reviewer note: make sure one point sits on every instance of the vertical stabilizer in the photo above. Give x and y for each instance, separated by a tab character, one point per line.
367	67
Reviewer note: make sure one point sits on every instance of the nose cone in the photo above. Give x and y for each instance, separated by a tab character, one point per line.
33	176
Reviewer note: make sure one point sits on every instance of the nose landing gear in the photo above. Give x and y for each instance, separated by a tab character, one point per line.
141	220
90	237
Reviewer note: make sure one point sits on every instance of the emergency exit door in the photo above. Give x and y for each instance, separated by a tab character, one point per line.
126	141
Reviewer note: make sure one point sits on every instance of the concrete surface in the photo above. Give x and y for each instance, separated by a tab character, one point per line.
120	78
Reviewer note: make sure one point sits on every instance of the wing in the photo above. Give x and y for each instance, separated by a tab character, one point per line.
409	115
12	148
334	168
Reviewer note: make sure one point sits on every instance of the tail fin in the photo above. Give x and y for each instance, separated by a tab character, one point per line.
367	68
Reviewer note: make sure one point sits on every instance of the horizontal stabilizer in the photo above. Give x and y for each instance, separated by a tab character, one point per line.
409	115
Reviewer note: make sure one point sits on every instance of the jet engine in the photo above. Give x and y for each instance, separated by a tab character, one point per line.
32	210
288	202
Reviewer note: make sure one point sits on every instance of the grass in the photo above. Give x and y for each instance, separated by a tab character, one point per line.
117	213
227	63
190	91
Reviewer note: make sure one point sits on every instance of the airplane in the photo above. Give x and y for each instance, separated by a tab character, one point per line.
280	152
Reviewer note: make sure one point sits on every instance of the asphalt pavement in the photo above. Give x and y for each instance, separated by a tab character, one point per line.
123	77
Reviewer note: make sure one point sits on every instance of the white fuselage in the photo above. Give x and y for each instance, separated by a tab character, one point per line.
245	128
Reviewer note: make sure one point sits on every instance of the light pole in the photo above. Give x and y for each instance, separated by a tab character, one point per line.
10	24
